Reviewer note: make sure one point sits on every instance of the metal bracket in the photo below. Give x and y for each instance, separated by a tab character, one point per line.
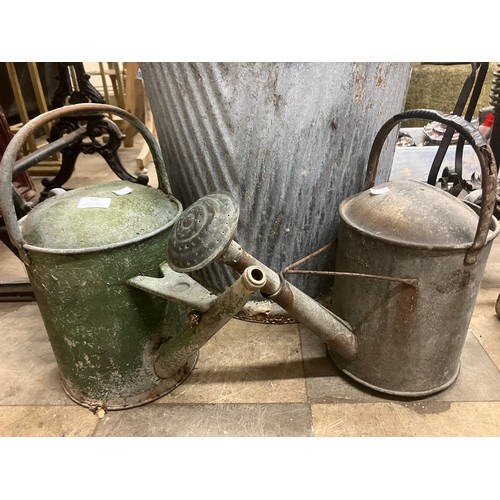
178	287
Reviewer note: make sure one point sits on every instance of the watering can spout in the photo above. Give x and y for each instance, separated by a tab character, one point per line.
337	333
201	327
217	214
210	312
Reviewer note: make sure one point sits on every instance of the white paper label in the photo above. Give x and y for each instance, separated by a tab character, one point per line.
383	190
121	192
94	202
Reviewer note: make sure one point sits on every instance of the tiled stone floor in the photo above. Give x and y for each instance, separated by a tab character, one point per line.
250	380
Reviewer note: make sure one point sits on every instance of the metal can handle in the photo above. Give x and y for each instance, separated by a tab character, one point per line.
83	109
479	145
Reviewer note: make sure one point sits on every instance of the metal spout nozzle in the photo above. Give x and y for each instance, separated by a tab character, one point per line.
175	351
204	232
334	331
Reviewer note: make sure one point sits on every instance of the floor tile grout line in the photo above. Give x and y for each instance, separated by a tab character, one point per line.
485	350
308	399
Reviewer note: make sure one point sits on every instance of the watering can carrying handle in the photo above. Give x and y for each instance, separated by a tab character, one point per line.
482	150
15	145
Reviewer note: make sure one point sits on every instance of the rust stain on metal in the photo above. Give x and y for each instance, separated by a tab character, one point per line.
453	282
359	87
284	297
380	80
277	101
266	319
193	318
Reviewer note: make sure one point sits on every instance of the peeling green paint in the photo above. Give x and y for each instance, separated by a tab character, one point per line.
103	332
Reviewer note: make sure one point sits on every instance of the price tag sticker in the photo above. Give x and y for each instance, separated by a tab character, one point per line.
121	192
383	190
94	202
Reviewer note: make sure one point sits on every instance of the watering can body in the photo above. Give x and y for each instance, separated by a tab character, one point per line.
426	252
102	331
410	332
124	328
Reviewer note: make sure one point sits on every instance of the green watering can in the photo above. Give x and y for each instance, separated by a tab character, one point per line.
89	254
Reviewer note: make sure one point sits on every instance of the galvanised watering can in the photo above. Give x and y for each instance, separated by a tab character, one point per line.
86	252
411	336
410	259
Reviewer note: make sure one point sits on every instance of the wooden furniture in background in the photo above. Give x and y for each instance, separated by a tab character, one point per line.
123	86
137	103
51	165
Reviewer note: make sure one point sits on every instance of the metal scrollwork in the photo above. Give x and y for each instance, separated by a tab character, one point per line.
98	127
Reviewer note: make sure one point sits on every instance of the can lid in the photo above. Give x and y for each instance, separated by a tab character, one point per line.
98	216
411	212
